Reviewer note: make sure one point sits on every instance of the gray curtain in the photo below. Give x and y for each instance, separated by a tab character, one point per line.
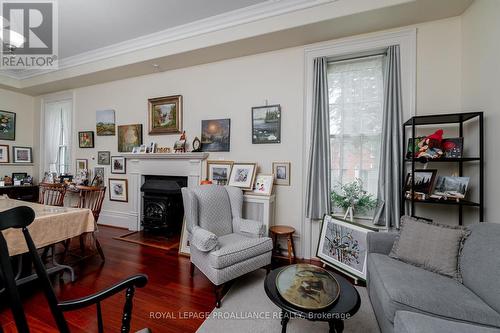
318	180
390	179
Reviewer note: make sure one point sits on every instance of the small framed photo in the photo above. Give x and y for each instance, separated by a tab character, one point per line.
453	147
81	164
19	176
281	171
118	189
86	139
118	164
219	171
424	181
4	154
243	175
98	176
263	184
266	124
136	150
142	149
22	154
103	157
151	148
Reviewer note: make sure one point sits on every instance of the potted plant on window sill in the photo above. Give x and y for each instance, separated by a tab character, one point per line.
352	197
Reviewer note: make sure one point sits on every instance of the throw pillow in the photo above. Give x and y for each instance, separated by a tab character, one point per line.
434	247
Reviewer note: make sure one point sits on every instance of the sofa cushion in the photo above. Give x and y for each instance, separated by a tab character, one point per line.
234	248
480	262
406	287
411	322
428	245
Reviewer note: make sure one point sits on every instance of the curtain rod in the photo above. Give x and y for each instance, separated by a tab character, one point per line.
359	57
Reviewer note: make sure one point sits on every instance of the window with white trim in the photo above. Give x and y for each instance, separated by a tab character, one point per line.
57	137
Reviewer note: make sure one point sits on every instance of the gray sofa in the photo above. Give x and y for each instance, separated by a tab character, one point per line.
409	299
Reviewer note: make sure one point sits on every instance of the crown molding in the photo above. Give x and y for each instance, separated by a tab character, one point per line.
222	21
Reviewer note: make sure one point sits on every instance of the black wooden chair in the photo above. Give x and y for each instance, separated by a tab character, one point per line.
21	218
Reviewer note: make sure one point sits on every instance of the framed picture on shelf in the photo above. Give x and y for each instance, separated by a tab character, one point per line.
424	181
4	154
451	187
215	135
81	164
413	146
105	122
103	157
343	245
118	189
219	171
165	115
266	124
129	136
263	184
281	171
118	164
7	125
86	139
19	176
453	147
22	154
243	175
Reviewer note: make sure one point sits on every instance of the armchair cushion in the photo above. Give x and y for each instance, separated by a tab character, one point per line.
250	228
203	240
234	248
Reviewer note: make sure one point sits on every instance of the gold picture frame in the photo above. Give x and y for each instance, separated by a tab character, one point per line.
219	179
165	115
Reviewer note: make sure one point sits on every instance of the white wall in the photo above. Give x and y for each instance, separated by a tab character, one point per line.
23	106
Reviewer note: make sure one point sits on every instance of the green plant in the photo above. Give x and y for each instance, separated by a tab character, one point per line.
353	195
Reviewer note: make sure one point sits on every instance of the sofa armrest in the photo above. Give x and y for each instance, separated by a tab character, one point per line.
249	228
203	240
380	242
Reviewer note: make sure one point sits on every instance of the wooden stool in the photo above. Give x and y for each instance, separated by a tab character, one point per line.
283	230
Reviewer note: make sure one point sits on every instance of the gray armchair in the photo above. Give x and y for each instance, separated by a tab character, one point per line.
223	245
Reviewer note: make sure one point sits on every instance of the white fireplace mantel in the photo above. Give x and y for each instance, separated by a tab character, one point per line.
166	156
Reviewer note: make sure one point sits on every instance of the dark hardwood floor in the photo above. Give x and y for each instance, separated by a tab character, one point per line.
163	305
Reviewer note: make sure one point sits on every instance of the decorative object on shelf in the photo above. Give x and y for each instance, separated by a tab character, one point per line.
19	177
206	182
424	181
4	153
163	150
49	177
98	179
431	146
151	148
451	187
263	184
219	171
82	177
7	125
129	136
118	164
266	124
142	149
180	145
7	180
118	189
103	157
28	180
136	150
86	139
81	164
453	147
65	178
413	146
352	197
105	122
22	154
215	135
322	288
281	171
343	245
243	175
165	115
196	145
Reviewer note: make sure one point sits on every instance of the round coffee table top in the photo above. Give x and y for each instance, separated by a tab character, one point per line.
282	229
346	305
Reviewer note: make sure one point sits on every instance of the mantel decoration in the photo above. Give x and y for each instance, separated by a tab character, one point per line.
86	139
266	124
351	197
218	172
196	145
7	125
165	115
243	175
105	122
129	136
180	145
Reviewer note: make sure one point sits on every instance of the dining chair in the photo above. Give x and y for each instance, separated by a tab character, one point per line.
51	194
20	218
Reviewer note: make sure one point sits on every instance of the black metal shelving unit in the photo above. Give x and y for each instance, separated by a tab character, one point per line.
457	119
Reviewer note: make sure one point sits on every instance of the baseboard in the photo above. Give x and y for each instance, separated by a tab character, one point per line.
118	219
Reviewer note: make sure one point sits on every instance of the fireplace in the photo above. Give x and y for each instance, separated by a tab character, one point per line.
162	210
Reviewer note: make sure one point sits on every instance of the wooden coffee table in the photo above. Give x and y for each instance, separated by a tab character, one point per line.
347	304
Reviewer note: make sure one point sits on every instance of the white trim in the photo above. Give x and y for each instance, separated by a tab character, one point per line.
118	219
406	39
222	21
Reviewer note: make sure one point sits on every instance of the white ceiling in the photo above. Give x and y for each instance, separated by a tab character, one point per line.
86	25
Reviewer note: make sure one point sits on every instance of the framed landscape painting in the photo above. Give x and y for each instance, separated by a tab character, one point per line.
219	171
266	124
129	136
215	135
105	122
165	115
7	125
343	245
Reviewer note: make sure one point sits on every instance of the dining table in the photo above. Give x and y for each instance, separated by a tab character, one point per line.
51	225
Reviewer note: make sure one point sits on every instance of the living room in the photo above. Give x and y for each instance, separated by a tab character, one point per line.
209	150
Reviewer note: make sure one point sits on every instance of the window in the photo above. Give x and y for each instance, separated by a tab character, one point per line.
356	104
57	137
